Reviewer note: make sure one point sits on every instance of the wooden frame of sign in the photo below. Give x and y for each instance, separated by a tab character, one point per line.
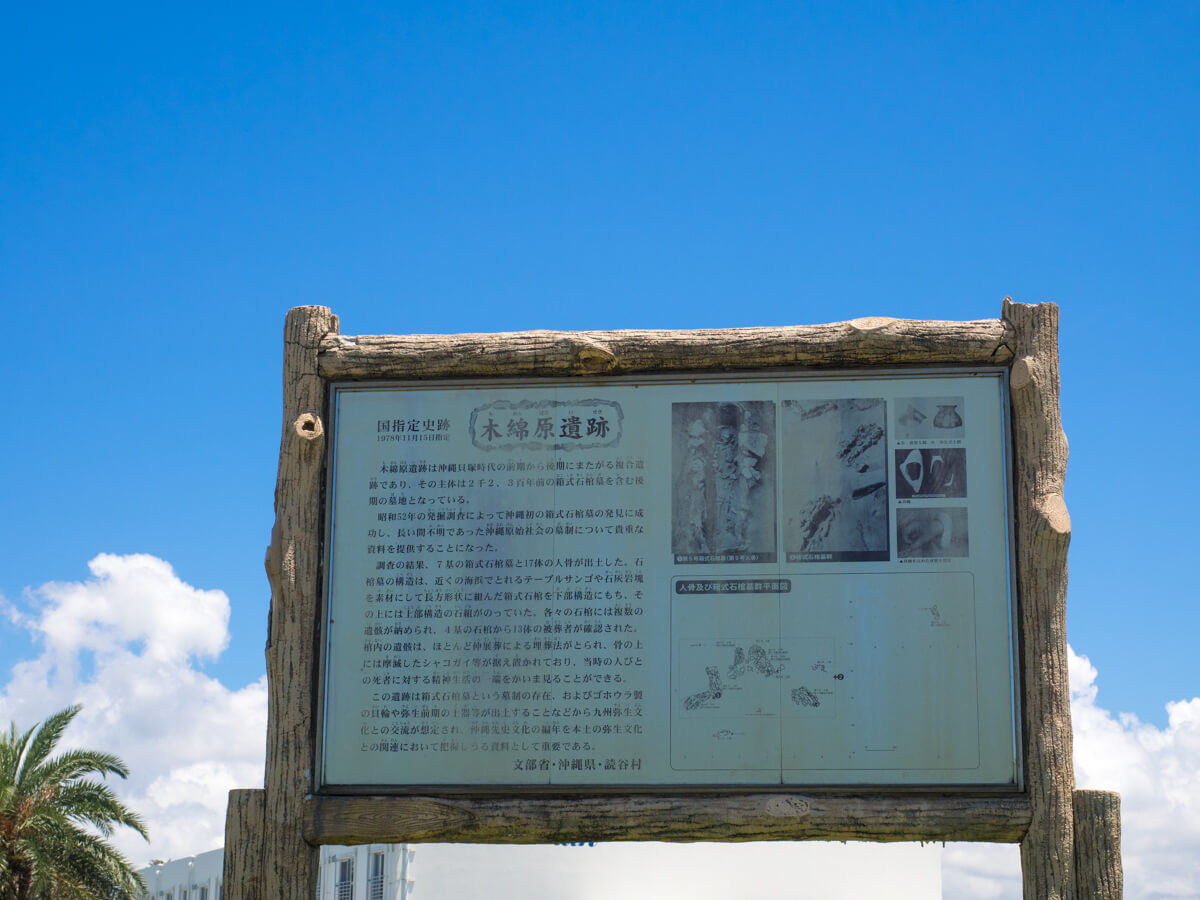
1069	839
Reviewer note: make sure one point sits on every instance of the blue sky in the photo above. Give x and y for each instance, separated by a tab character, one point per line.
172	180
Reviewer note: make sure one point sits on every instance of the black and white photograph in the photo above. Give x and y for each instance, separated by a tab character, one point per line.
931	473
723	482
930	532
929	418
835	488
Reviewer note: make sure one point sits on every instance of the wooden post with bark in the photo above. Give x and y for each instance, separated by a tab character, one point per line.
287	864
1070	840
243	845
1043	531
1072	847
1098	874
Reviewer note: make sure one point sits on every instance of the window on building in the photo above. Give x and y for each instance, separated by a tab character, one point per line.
183	894
202	892
344	889
375	884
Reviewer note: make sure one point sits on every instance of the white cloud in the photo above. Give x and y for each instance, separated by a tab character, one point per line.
126	644
1157	773
981	872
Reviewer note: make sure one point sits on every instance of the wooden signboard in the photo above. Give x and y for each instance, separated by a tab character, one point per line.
799	583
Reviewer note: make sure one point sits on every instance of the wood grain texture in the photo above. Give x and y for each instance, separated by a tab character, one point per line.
861	342
243	845
1098	872
289	865
1043	533
760	817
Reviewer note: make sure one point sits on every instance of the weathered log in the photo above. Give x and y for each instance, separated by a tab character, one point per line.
243	845
860	342
289	868
1098	873
1043	532
760	817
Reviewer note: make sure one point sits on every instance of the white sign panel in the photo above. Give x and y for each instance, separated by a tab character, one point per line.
707	581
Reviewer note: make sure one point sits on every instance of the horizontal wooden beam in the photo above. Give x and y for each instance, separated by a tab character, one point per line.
860	342
756	817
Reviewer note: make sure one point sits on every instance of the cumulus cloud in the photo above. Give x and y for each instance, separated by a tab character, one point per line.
1157	772
127	644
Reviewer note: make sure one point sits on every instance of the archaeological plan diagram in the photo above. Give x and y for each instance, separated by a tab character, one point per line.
865	674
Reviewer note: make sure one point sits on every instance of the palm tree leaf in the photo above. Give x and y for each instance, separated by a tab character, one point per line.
12	750
48	808
73	764
95	803
47	737
86	864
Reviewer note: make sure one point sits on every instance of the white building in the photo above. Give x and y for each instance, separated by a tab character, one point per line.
191	878
367	872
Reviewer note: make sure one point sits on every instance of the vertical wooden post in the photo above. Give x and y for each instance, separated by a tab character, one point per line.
243	845
1043	532
289	865
1098	873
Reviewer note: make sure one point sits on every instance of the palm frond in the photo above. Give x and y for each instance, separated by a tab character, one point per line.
75	763
47	806
84	863
47	737
96	804
12	751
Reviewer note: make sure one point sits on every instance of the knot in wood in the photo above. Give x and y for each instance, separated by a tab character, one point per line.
1053	509
594	358
787	806
1022	373
870	323
308	427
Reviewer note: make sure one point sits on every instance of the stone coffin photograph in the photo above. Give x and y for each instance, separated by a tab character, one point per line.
835	487
723	482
